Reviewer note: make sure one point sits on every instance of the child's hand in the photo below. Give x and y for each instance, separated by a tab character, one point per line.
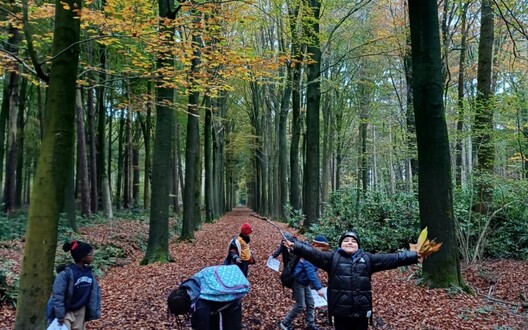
288	244
321	293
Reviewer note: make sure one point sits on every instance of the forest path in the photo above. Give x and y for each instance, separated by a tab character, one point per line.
134	297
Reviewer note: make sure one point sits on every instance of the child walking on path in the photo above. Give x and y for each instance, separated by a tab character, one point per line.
304	278
239	252
349	277
76	297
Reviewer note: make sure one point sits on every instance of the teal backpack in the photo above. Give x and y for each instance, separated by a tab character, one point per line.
222	283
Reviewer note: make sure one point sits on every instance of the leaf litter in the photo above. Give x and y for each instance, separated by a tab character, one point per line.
134	296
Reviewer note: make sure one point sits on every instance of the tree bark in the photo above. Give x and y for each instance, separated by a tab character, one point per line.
485	148
48	187
158	242
434	181
191	193
81	156
313	99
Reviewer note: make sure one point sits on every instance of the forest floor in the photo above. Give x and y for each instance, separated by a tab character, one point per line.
134	296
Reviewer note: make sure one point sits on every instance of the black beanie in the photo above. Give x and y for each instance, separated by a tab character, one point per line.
78	249
352	234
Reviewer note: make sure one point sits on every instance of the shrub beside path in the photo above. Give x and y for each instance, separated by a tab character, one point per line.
134	297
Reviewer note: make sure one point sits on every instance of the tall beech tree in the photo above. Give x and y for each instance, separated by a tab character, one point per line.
435	193
313	100
158	242
48	187
484	146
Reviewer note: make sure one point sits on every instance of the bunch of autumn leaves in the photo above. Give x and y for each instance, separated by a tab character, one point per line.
425	247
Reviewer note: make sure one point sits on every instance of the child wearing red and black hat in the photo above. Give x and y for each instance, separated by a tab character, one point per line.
239	252
76	296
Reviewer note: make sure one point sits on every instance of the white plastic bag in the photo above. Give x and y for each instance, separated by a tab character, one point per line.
56	326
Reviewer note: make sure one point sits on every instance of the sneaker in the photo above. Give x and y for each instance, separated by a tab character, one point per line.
282	326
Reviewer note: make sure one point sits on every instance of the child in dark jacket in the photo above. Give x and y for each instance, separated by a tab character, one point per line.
76	297
304	278
349	272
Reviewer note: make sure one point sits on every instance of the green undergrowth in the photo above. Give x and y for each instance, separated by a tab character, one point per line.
111	250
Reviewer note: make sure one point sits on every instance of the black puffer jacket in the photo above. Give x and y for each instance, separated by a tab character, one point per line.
349	288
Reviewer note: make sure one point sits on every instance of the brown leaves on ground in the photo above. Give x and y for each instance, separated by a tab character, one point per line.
134	297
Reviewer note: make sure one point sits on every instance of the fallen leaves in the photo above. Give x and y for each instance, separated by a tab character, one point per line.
134	296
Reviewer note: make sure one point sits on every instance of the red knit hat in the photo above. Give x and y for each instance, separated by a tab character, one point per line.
246	229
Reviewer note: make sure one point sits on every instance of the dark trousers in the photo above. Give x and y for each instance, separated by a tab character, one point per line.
231	315
350	323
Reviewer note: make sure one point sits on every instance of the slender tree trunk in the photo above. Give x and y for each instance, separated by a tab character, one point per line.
101	127
4	114
21	140
191	193
48	187
81	156
295	172
135	164
313	94
175	172
92	145
120	160
208	164
127	166
12	147
460	96
485	148
146	138
434	182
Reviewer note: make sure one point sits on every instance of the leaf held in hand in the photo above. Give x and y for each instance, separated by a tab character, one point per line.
424	246
421	239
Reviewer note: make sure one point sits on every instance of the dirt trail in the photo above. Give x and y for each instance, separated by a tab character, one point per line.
134	296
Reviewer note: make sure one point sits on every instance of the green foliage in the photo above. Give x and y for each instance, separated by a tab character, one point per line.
294	218
384	223
506	233
12	227
8	291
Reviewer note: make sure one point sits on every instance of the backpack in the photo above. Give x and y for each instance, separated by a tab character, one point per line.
215	283
286	276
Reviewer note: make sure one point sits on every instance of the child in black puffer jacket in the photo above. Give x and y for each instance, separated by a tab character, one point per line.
349	272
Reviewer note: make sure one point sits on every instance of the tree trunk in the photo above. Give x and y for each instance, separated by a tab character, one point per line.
101	127
313	99
460	96
191	193
92	151
20	138
485	148
208	164
135	164
81	156
175	172
295	176
120	159
434	181
48	187
127	166
4	114
12	147
158	242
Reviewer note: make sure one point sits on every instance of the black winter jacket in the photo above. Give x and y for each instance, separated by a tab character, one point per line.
349	287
